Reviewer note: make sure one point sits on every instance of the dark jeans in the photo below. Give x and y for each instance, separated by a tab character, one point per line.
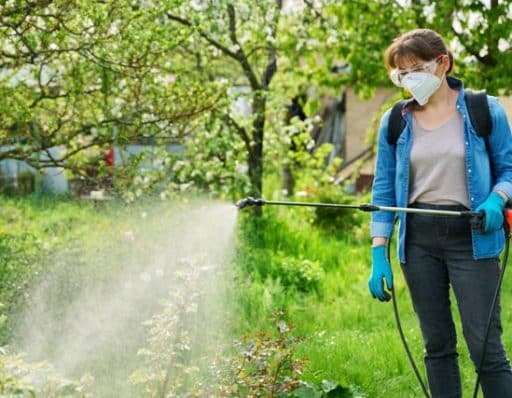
439	255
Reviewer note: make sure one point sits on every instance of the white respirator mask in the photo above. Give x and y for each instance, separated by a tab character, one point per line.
420	81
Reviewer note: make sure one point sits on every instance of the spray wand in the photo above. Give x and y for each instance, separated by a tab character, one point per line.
476	220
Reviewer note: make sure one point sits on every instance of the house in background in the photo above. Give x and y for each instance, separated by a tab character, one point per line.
19	176
358	166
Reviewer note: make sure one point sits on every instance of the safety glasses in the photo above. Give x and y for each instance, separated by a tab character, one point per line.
397	75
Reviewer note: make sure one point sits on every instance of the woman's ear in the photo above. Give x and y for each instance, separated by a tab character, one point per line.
449	61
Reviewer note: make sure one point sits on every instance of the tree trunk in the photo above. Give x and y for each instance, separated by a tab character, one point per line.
288	180
255	161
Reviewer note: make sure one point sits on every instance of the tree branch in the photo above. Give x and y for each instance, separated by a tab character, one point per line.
210	40
317	13
241	57
240	130
271	68
487	59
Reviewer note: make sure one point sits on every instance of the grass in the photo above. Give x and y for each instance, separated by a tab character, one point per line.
347	337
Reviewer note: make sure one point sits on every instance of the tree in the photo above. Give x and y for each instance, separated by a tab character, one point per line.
84	74
478	32
241	35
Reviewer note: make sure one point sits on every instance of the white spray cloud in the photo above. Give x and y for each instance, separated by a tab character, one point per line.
87	314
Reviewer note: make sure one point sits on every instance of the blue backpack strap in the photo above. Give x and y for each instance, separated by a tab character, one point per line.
479	113
396	121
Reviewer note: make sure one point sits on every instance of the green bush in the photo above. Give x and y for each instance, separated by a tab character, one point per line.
333	219
19	262
21	379
302	273
264	252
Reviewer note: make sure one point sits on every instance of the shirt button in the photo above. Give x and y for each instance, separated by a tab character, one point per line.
472	199
467	143
469	171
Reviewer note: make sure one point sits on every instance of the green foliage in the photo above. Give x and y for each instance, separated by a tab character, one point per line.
20	257
326	389
339	333
219	166
81	76
333	220
300	273
265	365
20	379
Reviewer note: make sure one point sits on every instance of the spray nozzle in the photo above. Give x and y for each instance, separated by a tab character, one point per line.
249	201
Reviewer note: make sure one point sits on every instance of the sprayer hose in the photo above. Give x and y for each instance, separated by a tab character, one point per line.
402	336
488	327
493	305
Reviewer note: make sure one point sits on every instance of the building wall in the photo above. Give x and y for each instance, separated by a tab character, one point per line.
507	104
359	116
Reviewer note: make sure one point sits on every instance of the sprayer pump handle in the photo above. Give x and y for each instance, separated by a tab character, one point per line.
477	220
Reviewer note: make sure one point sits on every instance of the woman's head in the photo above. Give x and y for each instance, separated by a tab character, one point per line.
418	61
416	46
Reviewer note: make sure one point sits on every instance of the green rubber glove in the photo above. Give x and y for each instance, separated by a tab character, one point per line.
493	209
381	269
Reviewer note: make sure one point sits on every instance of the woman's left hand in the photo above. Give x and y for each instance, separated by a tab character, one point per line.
493	208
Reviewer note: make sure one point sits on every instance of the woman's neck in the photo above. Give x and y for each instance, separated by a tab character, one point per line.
444	97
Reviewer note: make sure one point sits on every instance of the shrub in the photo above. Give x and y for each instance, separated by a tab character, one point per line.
265	364
302	273
335	219
19	259
20	379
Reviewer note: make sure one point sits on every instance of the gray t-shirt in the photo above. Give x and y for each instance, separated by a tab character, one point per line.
438	172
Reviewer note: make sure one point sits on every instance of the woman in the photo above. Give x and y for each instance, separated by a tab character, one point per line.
439	162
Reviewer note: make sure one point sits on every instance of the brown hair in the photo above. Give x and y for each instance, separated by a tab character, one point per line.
424	44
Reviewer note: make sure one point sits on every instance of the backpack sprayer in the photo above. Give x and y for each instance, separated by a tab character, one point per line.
476	220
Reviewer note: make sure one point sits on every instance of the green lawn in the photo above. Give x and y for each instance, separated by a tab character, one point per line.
350	338
283	261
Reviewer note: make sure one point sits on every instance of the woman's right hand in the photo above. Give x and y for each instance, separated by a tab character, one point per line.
381	270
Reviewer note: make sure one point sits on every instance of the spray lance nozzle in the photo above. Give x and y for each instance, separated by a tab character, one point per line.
249	201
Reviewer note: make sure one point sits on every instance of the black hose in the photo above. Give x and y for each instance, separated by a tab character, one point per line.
489	321
402	336
491	312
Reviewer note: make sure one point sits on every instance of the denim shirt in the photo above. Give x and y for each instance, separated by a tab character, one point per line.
392	171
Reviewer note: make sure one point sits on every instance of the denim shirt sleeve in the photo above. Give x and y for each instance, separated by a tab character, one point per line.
500	148
383	191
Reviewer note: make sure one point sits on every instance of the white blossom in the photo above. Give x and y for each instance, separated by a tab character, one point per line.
198	5
503	45
241	168
114	29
